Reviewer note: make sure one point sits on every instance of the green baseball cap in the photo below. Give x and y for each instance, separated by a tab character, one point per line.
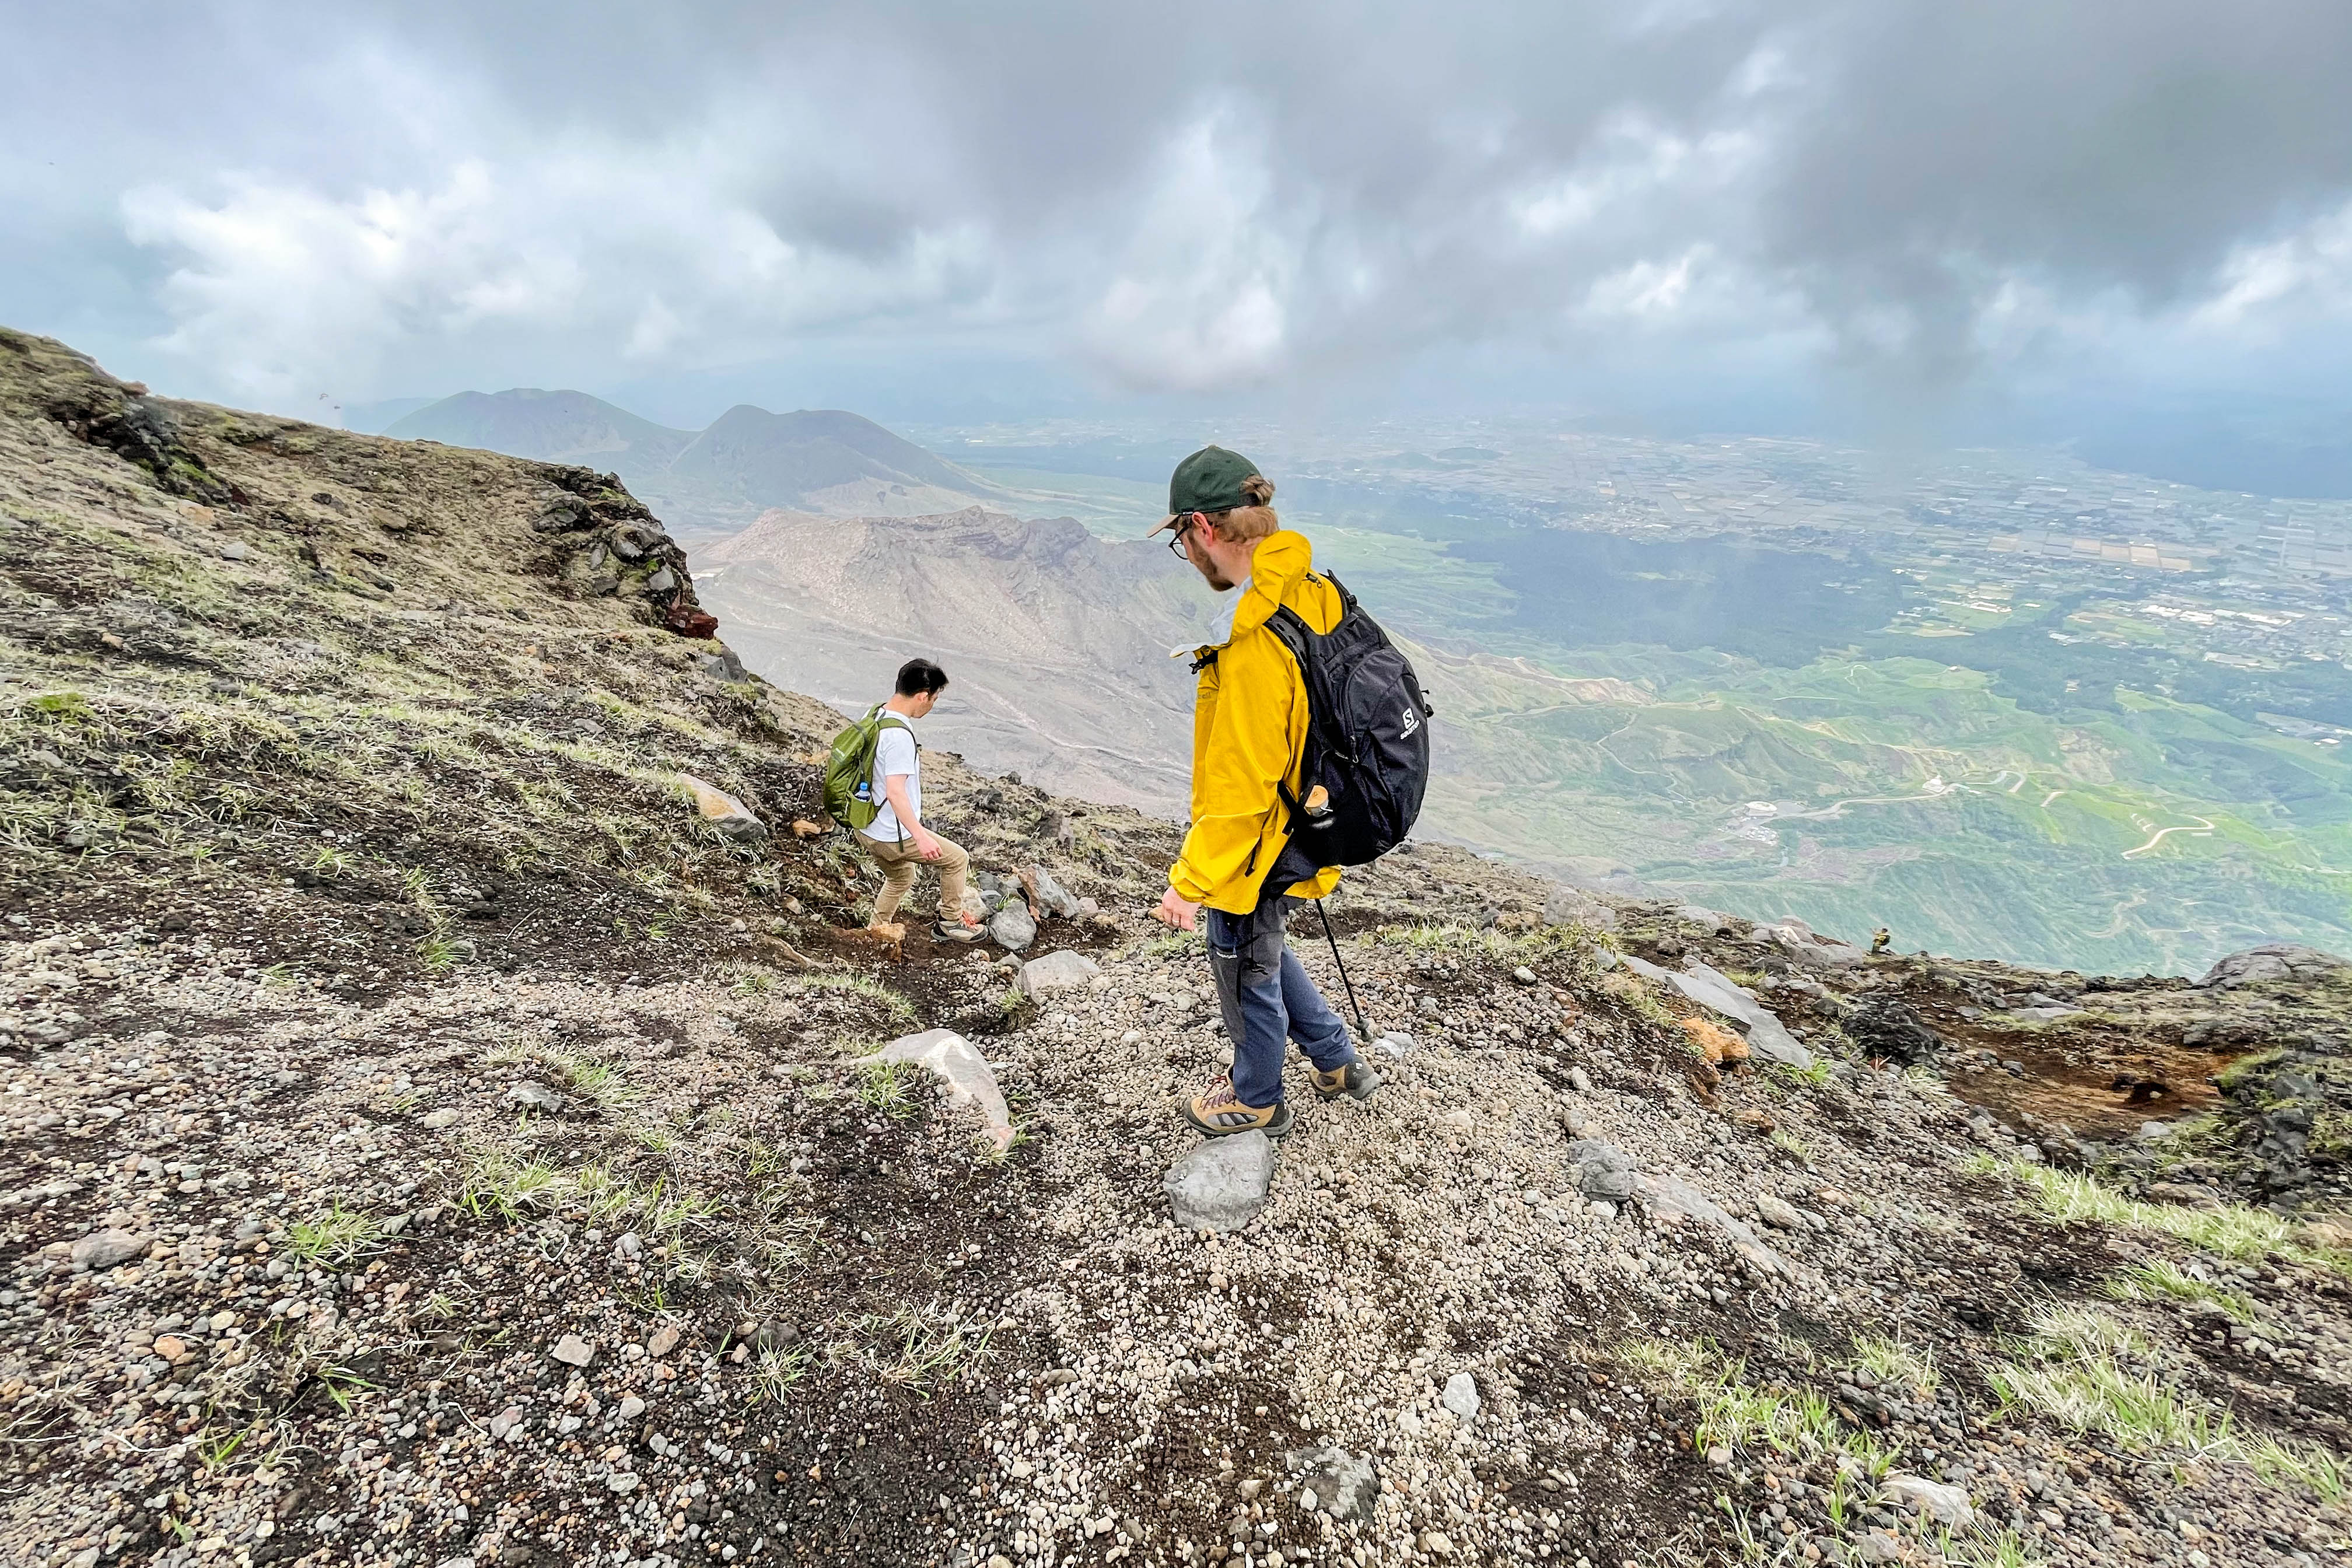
1209	480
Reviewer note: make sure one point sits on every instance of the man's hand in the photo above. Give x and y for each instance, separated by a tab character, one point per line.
926	843
1174	908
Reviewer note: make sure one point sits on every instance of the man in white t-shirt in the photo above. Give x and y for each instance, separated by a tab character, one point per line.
897	838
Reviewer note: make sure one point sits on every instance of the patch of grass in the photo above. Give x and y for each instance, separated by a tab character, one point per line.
215	1447
2166	1281
2228	1230
1790	1144
862	985
1817	1076
59	708
774	1373
500	1186
334	1237
2087	1369
1736	1413
887	1087
1175	945
600	1081
1893	1361
921	1348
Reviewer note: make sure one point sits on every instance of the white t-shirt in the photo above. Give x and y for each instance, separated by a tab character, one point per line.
894	754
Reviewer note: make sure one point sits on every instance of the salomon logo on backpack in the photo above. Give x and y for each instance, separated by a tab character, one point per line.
1367	762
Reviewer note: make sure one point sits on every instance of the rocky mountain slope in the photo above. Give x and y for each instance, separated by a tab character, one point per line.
1057	642
714	480
430	1139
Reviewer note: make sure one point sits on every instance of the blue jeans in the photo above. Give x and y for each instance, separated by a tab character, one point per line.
1267	1000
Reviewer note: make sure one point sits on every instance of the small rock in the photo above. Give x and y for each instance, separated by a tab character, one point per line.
1436	1543
105	1249
1878	1546
1339	1482
721	810
436	1119
629	1409
1947	1505
1775	1212
534	1097
1058	972
573	1351
1461	1394
664	1340
622	1482
1221	1183
1524	975
1580	1080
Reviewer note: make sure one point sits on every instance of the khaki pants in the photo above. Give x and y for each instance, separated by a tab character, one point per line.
899	863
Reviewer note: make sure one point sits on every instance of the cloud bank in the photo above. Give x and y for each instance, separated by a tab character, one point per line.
372	199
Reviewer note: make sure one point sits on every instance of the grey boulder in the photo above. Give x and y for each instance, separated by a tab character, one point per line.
1573	907
1052	897
2271	961
1605	1171
1011	927
1677	1202
959	1065
1714	991
1221	1184
1058	972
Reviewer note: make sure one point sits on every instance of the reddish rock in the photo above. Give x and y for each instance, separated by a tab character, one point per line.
690	620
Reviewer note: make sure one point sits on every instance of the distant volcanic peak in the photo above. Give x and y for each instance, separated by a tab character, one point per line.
532	422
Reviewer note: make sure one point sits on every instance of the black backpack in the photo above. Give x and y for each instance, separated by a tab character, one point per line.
1367	762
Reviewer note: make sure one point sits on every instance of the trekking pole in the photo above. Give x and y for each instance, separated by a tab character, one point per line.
1362	1029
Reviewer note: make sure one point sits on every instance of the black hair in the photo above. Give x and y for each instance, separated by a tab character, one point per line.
921	678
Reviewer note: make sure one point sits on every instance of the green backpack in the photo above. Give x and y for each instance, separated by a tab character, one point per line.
850	798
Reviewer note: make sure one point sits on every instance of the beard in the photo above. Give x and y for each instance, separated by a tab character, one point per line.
1216	579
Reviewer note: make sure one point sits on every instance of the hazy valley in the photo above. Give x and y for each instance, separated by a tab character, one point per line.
1998	702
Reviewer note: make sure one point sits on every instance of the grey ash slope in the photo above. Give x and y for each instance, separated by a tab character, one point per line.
426	1144
1057	642
716	480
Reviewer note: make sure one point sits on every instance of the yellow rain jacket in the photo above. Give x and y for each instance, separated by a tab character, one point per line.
1249	737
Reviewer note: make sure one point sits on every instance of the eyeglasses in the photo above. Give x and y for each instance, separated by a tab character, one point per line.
1176	541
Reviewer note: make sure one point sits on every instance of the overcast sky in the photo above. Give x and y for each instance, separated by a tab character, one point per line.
1916	199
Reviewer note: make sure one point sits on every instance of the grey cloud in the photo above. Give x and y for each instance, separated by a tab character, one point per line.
1293	191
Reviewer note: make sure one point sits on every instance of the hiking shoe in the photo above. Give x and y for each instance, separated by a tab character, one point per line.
943	932
1219	1111
1355	1081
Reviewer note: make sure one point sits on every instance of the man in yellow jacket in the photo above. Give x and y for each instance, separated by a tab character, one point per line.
1249	738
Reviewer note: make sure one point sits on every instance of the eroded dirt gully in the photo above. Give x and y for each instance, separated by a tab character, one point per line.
426	1141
